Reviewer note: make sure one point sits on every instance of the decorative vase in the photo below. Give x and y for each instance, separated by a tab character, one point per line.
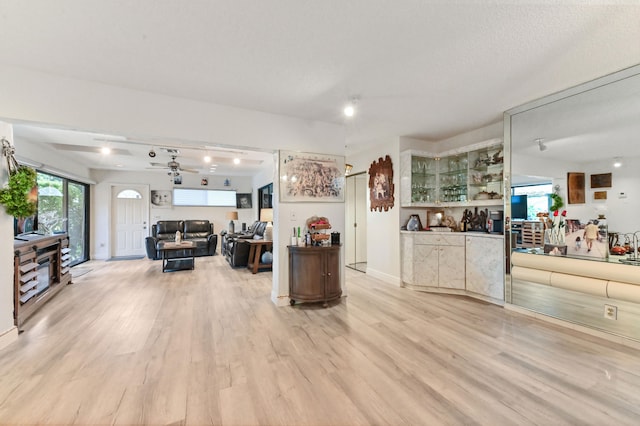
267	257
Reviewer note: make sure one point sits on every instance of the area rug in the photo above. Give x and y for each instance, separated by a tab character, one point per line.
125	258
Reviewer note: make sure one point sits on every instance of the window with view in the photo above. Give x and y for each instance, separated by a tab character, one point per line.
63	206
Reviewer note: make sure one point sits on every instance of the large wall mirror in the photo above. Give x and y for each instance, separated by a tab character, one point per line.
582	144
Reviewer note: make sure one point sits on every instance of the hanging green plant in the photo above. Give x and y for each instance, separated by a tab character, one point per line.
17	198
557	202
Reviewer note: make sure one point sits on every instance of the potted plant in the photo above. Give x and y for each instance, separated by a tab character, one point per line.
18	197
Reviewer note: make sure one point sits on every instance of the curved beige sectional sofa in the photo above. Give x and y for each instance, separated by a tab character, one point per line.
611	280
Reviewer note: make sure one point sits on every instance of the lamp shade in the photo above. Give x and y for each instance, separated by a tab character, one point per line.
232	215
266	215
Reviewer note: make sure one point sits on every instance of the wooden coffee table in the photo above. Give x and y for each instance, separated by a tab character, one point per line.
255	249
181	263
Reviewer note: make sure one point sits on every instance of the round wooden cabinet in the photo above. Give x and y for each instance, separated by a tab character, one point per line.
314	274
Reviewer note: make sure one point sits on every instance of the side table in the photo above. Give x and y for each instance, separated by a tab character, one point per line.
255	251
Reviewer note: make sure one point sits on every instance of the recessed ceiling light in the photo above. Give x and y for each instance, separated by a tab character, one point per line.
105	150
617	162
119	165
207	159
349	110
236	161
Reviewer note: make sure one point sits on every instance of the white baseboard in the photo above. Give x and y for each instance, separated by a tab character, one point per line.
279	301
581	328
8	337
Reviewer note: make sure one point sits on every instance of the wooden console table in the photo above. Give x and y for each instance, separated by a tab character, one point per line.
41	269
255	251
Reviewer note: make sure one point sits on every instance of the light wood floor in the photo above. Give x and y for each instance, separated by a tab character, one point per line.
127	344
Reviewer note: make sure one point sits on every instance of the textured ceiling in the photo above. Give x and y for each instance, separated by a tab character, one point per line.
424	69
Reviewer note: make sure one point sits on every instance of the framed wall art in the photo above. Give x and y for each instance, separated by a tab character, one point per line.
575	188
161	199
381	188
307	177
600	195
243	201
602	180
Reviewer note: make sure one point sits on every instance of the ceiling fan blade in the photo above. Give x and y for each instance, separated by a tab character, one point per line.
189	170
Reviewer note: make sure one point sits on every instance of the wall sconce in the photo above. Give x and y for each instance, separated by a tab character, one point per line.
541	145
617	162
347	169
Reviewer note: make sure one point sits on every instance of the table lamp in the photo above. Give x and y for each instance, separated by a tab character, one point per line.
266	215
232	216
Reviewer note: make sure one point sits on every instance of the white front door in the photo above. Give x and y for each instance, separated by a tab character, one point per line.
130	217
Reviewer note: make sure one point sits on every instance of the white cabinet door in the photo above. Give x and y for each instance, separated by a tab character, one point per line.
425	265
451	267
485	266
406	256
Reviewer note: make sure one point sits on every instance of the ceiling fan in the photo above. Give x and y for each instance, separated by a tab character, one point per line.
173	166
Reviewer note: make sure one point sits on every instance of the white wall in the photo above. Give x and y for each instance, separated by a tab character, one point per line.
51	160
621	212
8	332
42	98
383	229
492	131
61	102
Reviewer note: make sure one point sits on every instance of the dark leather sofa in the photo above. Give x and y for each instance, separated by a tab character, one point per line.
235	247
200	232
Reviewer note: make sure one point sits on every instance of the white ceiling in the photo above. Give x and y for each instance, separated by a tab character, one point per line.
423	69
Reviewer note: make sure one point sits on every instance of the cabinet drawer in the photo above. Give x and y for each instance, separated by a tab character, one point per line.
440	239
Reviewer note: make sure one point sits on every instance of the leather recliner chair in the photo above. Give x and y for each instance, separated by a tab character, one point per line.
237	248
200	232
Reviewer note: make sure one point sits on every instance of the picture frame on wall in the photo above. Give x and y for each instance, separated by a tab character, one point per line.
601	180
600	195
308	177
381	187
575	188
161	199
243	201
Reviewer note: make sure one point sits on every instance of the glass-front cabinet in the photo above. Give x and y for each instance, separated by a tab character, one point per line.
423	179
486	174
470	176
452	178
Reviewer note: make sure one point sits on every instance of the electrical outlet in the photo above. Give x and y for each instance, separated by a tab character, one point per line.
611	312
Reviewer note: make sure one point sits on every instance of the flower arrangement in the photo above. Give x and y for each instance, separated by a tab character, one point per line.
558	225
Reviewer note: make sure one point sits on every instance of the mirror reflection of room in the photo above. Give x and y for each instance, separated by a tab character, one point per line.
591	133
579	145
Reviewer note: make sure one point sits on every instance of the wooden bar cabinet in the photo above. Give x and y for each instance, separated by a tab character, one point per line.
314	274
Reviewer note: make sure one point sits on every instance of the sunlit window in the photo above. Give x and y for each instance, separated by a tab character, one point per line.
129	193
